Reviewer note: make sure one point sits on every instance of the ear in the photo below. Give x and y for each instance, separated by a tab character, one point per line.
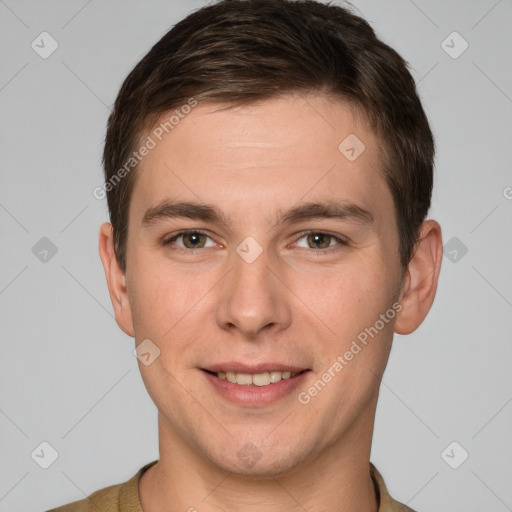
116	280
420	281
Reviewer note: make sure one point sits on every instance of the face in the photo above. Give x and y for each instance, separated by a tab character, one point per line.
281	273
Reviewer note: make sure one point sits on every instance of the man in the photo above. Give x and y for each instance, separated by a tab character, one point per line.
268	174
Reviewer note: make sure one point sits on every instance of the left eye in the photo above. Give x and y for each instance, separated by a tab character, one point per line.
320	239
190	240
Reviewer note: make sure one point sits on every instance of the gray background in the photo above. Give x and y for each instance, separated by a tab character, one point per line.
67	373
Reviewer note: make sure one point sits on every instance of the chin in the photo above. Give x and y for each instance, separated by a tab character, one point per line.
259	460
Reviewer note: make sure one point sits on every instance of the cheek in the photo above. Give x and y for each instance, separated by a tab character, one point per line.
169	307
351	306
347	296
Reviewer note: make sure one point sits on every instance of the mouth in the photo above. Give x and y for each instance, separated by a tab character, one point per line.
255	386
260	379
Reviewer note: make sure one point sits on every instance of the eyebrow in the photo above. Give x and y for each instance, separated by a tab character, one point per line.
338	209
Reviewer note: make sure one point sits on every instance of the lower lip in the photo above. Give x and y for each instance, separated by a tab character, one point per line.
256	395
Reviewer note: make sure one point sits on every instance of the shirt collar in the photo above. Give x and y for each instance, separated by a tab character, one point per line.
129	499
386	502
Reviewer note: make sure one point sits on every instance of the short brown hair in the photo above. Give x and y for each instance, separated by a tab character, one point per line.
236	52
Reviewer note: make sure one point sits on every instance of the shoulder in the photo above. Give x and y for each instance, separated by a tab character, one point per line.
123	497
386	502
106	500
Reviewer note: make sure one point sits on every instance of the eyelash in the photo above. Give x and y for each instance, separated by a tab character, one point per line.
316	252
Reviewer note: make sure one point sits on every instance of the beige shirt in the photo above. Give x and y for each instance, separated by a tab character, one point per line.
125	497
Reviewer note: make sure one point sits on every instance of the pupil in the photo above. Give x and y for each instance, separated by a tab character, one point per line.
320	239
193	239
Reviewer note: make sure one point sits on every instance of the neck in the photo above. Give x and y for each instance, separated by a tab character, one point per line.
337	479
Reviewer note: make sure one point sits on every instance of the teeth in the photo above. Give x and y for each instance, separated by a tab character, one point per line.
275	377
257	379
244	379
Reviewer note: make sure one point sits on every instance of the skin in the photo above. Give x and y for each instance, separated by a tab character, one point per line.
293	304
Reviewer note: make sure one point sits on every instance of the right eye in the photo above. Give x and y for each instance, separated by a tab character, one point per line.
190	240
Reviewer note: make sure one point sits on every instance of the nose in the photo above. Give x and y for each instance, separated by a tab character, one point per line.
254	299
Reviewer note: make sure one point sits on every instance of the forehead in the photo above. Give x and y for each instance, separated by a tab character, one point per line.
269	154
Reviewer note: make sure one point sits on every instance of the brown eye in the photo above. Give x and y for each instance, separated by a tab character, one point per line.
193	240
319	240
189	240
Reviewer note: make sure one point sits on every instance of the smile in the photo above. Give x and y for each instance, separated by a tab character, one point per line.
255	386
255	379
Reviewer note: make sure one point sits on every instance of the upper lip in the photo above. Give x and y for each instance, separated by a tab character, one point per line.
236	367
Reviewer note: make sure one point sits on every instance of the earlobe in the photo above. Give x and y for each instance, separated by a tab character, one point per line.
116	280
420	282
